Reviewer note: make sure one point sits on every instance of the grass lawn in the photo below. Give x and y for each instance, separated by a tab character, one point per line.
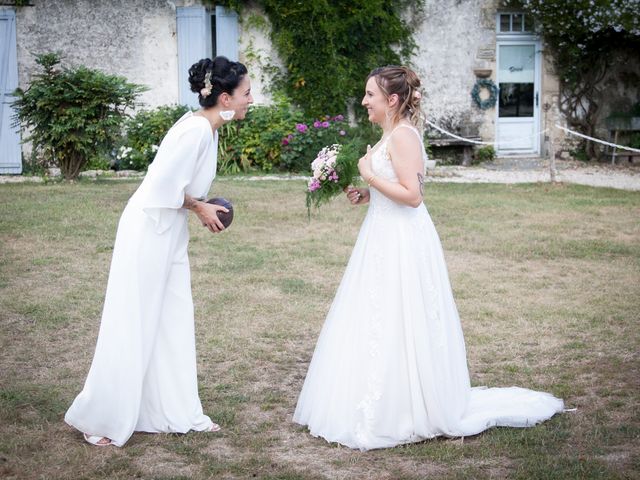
547	281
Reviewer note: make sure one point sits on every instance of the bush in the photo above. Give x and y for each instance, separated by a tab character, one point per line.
256	142
143	134
485	154
302	143
73	114
278	137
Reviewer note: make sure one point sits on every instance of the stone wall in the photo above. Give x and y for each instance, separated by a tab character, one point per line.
135	39
452	40
455	38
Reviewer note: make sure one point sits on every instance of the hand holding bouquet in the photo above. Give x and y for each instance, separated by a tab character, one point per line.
334	169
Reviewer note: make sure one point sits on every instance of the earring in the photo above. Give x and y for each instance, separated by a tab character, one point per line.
227	114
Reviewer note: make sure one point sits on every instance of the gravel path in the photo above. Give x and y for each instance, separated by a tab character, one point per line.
595	176
501	171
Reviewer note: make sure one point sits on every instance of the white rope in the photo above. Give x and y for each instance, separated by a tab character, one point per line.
494	143
456	136
621	147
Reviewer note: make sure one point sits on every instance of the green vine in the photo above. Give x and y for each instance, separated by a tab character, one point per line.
329	47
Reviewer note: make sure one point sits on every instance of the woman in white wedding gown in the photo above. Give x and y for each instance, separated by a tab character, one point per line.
390	364
143	375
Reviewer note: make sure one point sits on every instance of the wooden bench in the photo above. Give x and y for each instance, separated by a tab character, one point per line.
467	148
626	125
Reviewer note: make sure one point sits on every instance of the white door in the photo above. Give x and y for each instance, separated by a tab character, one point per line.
518	76
10	152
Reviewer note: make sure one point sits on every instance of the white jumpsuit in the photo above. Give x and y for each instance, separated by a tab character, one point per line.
143	375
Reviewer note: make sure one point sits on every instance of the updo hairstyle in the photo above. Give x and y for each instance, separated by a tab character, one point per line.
209	78
405	83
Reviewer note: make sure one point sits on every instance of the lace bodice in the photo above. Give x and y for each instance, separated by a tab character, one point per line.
383	168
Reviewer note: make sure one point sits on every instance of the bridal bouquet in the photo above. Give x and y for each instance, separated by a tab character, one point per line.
334	168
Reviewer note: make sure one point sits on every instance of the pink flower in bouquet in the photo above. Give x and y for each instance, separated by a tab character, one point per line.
325	124
301	127
285	141
338	118
342	133
317	124
314	184
334	168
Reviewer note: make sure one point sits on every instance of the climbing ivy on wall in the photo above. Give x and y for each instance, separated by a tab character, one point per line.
330	46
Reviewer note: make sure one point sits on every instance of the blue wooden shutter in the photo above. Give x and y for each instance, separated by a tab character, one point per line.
10	152
192	46
227	33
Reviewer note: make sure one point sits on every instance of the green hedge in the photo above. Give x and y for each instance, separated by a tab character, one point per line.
143	134
275	137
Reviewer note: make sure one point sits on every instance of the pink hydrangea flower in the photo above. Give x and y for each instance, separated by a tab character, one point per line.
301	127
314	184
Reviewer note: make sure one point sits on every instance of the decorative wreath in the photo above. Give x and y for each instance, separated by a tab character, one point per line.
493	93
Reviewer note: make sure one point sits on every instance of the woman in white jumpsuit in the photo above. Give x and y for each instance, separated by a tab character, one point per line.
143	375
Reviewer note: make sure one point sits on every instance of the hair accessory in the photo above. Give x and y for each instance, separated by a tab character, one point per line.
206	91
227	114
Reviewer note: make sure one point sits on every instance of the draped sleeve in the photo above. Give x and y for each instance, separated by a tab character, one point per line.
178	159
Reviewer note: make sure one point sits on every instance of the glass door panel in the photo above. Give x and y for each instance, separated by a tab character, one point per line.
516	71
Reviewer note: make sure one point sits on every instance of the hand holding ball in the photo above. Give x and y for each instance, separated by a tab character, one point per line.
225	218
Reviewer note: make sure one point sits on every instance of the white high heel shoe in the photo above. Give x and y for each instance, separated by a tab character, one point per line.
95	440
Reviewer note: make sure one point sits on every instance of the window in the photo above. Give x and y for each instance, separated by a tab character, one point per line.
515	23
203	33
214	47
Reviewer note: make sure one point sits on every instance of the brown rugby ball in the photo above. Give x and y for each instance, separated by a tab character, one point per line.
225	218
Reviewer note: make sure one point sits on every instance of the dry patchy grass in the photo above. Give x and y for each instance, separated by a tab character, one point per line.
546	279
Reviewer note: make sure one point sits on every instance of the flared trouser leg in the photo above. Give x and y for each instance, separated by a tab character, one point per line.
170	400
141	270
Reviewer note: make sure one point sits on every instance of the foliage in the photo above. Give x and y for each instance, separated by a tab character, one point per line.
330	47
486	153
634	140
579	154
143	134
302	143
333	170
256	142
280	137
582	36
98	162
73	114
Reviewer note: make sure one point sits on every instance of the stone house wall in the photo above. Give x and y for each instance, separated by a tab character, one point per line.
137	39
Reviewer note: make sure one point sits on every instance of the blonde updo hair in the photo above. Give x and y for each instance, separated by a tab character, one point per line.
404	82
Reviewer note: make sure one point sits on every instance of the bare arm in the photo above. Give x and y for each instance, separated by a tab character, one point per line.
405	151
206	212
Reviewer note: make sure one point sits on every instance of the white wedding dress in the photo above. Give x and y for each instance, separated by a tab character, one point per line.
390	364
